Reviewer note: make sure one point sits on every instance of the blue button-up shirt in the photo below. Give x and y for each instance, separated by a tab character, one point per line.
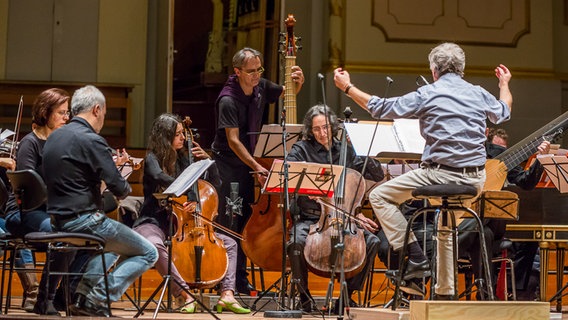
452	115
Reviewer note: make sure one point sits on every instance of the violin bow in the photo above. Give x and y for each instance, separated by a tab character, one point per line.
17	127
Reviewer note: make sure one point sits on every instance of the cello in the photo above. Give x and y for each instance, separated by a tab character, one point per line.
199	256
264	232
336	229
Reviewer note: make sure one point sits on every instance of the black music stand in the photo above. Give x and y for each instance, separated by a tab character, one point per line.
556	168
179	187
304	178
269	144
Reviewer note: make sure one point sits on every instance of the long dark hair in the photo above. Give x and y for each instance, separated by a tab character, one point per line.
160	141
319	109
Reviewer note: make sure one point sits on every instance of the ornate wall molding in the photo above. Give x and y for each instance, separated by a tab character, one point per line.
478	22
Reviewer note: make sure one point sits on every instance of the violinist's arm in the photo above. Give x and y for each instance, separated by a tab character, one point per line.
8	163
121	157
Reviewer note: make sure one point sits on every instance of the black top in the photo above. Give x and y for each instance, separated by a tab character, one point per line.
77	160
240	112
30	156
313	151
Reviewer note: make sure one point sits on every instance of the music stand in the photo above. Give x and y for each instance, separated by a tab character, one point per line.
269	144
557	169
179	187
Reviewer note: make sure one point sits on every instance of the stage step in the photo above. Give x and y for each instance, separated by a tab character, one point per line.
450	310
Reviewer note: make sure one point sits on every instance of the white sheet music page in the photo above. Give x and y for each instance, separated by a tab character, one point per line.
400	139
188	177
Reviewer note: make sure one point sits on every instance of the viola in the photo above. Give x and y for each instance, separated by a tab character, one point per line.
199	256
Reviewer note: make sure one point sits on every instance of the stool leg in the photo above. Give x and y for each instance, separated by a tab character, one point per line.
484	256
403	261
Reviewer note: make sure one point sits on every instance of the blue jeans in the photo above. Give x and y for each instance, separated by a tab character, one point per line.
138	255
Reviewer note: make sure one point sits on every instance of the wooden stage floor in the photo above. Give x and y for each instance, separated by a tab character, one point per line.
124	309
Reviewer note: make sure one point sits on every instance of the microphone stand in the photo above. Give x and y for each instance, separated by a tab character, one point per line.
285	200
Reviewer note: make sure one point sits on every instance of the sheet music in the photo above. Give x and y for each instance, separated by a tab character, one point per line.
188	177
316	179
400	139
5	134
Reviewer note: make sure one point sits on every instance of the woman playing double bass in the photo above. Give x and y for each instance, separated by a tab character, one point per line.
317	142
166	159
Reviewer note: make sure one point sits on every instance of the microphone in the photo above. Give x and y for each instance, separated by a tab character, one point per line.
389	80
320	76
420	81
234	202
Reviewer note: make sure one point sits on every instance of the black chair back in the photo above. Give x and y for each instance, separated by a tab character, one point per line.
3	194
29	189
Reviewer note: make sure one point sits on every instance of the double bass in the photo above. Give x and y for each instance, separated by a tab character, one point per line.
199	256
264	232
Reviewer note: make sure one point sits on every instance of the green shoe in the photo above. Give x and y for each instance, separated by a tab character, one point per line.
188	308
235	307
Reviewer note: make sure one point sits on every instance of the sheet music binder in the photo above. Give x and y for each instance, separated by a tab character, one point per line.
556	168
187	178
304	178
399	139
269	143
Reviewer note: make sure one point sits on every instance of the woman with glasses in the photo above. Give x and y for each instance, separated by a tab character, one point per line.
50	111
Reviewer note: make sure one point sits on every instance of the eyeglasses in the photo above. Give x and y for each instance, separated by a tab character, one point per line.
251	73
64	113
319	129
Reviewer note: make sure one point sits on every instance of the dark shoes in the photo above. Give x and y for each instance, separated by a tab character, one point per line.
244	287
46	308
84	307
417	270
444	297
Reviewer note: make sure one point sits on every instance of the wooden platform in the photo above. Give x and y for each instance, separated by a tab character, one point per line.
457	310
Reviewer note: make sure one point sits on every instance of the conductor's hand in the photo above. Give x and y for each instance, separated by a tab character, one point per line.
341	78
366	223
189	207
544	147
503	74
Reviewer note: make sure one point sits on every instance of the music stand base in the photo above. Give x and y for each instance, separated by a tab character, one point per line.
283	314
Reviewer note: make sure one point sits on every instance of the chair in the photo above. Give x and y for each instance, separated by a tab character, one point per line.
27	200
31	193
451	196
69	242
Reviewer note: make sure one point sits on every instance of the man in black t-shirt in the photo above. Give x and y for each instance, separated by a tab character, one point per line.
239	108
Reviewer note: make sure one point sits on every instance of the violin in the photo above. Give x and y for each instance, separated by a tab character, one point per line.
199	256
